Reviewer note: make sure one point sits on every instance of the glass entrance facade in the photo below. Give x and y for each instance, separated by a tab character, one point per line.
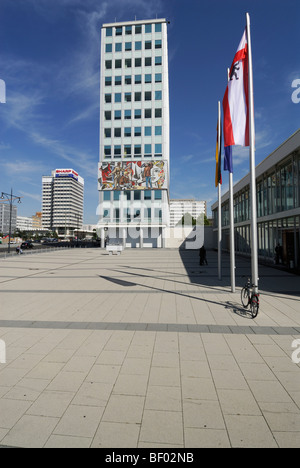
278	208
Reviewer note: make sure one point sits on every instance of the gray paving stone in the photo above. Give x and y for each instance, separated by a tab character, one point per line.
173	361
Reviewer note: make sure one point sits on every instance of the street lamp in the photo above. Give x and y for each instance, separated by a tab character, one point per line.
11	199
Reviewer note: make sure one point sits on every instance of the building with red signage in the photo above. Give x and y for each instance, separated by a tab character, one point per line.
62	208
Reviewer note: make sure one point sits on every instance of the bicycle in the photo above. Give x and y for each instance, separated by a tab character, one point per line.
250	297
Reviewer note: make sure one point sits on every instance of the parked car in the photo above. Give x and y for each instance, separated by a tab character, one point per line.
26	245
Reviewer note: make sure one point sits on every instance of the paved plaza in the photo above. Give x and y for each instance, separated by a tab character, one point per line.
145	349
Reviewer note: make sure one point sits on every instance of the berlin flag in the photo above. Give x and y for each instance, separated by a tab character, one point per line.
236	100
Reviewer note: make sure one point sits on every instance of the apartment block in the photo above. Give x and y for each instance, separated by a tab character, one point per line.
180	208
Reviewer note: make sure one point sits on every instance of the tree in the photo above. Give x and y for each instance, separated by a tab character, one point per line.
186	220
207	222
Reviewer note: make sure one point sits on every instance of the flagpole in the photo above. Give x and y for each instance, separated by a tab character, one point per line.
231	227
219	198
254	245
232	245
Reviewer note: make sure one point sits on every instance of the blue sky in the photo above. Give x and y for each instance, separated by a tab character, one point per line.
50	62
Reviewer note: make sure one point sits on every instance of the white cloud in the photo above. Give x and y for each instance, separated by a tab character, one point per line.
78	159
21	167
31	195
27	111
43	96
21	109
240	155
263	139
4	146
88	113
187	158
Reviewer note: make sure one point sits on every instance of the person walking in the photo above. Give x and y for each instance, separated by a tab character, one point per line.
278	254
202	254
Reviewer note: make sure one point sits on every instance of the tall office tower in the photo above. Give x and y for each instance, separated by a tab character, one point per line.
63	202
6	219
133	172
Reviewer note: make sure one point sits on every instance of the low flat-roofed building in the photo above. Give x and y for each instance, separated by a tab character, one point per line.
24	223
278	207
37	221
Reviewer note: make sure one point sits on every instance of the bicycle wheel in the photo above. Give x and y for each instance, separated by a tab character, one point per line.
244	297
254	305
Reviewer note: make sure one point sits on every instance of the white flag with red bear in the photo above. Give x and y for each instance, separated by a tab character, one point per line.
236	99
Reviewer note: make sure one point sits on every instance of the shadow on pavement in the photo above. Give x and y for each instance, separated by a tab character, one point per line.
271	279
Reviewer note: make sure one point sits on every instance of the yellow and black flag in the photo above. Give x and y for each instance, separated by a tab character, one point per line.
218	179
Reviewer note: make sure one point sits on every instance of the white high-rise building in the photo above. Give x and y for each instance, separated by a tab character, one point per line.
134	166
5	218
62	209
180	208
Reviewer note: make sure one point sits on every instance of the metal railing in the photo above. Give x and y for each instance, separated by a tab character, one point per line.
5	255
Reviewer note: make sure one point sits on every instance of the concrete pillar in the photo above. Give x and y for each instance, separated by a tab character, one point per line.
102	238
141	238
124	236
159	239
163	240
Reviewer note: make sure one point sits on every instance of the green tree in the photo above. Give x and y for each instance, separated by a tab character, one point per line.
187	220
